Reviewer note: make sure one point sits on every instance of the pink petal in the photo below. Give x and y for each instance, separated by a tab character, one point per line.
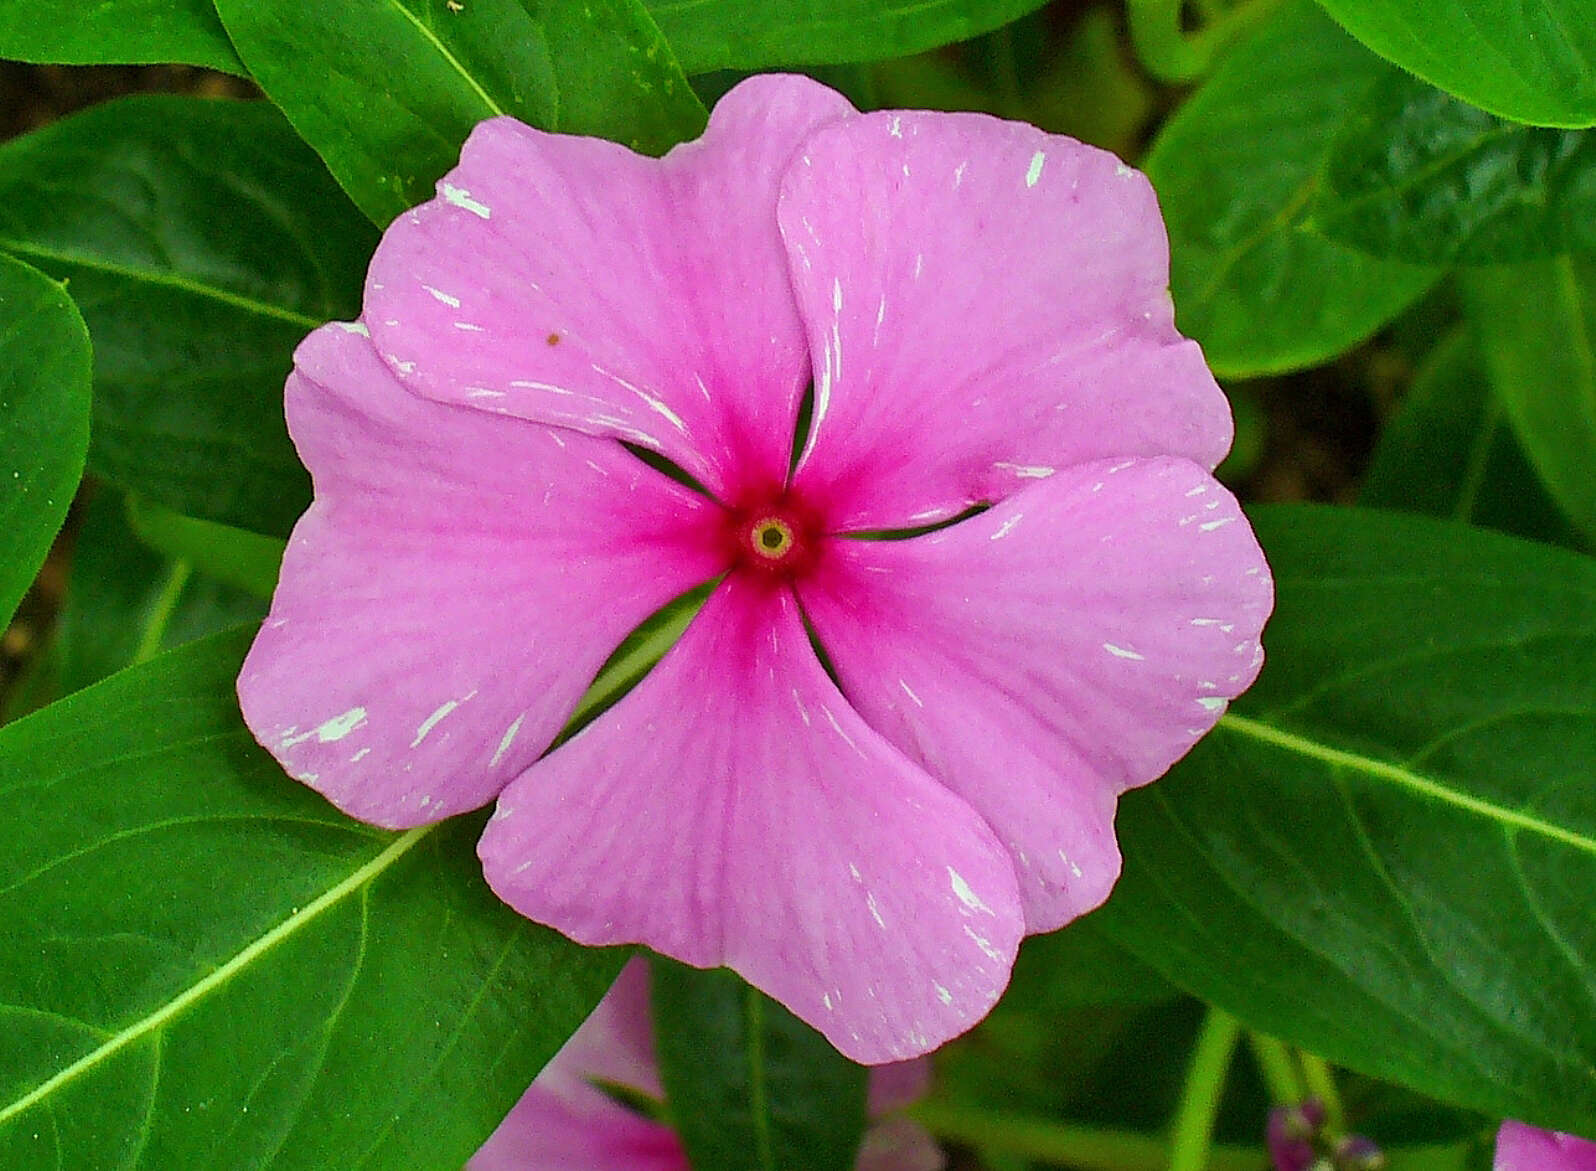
452	591
1528	1148
568	280
899	1144
577	1129
734	810
1047	654
986	304
616	1042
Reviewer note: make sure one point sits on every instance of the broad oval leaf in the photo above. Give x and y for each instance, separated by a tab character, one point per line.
1235	169
386	90
748	1085
1529	62
204	965
733	34
1418	175
1385	852
1450	452
1537	329
117	32
202	240
44	420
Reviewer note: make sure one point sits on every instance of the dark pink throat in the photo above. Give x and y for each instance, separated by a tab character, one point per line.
772	534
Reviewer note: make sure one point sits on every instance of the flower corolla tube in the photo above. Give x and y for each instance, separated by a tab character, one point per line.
977	313
571	1116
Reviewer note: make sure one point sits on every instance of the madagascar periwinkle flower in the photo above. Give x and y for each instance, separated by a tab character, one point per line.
981	311
1520	1147
572	1118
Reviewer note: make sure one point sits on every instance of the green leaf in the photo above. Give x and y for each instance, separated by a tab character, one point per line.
748	1085
44	420
125	603
1529	62
116	32
202	240
386	90
733	34
1385	852
1537	329
1080	965
1450	452
205	965
1235	169
1418	175
243	560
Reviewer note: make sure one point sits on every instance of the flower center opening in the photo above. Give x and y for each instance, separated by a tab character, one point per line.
772	538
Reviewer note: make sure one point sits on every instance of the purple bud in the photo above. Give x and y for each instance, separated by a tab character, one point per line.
1291	1132
1356	1153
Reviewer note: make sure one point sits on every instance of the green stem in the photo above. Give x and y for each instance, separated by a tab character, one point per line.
1280	1071
1193	1130
161	612
1169	53
1322	1085
1041	1140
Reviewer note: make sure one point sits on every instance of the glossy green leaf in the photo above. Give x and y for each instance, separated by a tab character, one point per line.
1537	329
748	1085
1529	62
1235	170
387	90
125	603
204	965
202	240
44	420
1418	175
116	32
733	34
1450	452
1385	851
1080	965
241	559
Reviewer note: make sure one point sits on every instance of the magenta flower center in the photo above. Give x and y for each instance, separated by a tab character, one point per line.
774	535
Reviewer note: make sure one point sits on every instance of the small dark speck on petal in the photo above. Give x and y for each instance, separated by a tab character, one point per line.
553	339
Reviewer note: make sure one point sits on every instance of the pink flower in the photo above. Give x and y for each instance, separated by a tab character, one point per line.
1528	1148
982	309
565	1123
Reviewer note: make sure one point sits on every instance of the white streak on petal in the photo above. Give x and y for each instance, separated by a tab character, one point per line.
461	198
966	896
1034	172
1120	652
504	744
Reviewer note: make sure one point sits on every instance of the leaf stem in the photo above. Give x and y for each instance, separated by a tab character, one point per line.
1280	1071
1171	54
1322	1085
1192	1133
1044	1140
161	611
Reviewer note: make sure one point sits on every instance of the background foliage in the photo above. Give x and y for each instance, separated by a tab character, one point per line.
1383	220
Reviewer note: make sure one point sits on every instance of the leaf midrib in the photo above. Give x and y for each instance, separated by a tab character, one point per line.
23	248
1407	778
153	1022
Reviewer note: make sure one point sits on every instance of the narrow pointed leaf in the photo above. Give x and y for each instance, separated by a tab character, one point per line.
1385	852
733	34
1537	329
203	965
1236	169
117	32
202	240
387	90
748	1085
1418	175
44	420
1529	62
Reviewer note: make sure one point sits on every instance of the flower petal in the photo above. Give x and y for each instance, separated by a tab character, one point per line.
734	810
568	280
986	304
452	591
581	1130
899	1144
1520	1147
1047	654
